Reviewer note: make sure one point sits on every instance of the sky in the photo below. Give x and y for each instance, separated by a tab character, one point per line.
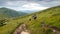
29	5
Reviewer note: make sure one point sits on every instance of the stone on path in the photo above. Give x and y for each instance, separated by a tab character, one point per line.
24	32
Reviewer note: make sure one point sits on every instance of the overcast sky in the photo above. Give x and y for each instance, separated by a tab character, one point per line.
29	4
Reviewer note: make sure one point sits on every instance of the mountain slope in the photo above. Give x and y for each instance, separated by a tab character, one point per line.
49	16
5	12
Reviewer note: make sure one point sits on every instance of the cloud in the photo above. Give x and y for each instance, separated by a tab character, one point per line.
50	4
33	6
29	4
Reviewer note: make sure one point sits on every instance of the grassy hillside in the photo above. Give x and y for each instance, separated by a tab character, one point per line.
8	13
50	16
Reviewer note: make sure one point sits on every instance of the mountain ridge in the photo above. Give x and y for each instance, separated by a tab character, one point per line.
10	13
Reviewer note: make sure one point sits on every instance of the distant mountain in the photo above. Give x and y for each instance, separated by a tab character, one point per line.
29	11
22	13
8	13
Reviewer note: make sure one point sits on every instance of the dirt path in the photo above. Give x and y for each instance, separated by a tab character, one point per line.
22	29
53	28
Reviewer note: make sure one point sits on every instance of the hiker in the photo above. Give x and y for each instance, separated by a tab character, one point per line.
34	16
29	19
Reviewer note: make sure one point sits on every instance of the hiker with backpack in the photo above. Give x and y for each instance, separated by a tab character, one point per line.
34	16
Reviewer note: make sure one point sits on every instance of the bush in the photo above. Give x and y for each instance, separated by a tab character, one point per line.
48	31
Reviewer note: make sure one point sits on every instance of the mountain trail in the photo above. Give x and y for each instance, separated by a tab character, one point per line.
22	29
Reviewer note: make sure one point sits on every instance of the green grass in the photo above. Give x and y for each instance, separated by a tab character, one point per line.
50	16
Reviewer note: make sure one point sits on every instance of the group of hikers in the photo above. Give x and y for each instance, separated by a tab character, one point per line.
34	17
